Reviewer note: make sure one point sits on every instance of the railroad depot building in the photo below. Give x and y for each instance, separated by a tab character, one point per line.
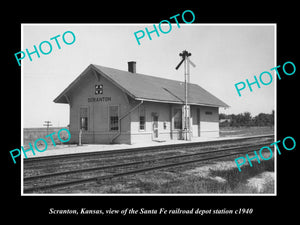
114	106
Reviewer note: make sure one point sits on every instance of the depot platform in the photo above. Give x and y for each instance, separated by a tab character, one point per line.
73	149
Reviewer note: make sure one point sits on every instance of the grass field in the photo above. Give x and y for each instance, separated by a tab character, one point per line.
32	134
210	177
218	178
245	131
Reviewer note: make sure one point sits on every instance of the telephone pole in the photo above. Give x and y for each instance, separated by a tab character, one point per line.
48	124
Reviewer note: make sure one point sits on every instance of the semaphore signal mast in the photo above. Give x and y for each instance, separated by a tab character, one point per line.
185	58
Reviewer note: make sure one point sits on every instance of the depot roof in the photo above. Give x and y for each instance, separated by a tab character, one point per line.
148	88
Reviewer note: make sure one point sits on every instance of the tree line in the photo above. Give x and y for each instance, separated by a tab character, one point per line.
245	119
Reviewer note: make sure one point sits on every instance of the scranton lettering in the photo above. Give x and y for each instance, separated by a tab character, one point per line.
100	99
62	211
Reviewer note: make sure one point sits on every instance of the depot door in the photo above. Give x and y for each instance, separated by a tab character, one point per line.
196	122
155	125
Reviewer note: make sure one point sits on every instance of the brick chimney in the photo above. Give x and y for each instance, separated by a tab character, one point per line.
132	66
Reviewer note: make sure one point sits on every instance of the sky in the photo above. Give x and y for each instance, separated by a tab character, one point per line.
223	54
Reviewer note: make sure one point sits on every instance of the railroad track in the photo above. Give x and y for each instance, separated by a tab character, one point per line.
80	176
35	160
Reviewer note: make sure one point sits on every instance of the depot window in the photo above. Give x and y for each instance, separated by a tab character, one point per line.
113	118
84	118
142	117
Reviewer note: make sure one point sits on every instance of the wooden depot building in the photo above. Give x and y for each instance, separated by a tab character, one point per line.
115	106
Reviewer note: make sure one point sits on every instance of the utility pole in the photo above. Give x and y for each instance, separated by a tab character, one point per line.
185	58
48	124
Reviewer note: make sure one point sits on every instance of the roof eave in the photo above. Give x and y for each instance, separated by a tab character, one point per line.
179	102
58	99
61	97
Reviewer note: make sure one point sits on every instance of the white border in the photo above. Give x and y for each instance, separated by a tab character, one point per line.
22	117
275	106
139	24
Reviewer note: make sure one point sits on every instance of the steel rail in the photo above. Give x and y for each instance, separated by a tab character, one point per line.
133	163
139	149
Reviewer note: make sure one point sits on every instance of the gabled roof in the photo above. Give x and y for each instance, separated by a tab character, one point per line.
149	88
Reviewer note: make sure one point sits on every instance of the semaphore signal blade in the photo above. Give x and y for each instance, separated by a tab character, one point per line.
191	62
179	64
